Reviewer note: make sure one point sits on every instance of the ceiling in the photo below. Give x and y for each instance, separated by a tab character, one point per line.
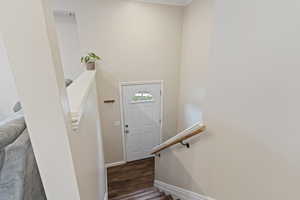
169	2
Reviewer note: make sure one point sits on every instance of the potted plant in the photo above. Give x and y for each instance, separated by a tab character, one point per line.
90	60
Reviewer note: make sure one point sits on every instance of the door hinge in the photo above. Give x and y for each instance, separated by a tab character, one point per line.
160	92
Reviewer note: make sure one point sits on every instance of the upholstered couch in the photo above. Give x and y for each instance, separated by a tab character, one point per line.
19	174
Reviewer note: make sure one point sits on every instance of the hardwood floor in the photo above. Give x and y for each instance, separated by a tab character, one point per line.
130	177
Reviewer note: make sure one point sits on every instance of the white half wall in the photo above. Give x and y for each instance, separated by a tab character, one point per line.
71	163
27	29
87	148
8	91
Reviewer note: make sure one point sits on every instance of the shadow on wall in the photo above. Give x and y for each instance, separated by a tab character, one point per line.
181	166
190	114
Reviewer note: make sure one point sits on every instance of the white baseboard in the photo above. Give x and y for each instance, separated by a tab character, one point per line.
106	196
178	192
115	164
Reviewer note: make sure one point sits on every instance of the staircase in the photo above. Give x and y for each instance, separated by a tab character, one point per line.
134	181
145	194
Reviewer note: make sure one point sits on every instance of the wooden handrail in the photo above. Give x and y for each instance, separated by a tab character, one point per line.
184	135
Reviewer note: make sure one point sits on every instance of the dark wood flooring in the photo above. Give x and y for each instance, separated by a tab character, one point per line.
130	177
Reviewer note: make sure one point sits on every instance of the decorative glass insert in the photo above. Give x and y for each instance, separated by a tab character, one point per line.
142	96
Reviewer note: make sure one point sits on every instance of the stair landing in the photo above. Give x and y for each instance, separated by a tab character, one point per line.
130	177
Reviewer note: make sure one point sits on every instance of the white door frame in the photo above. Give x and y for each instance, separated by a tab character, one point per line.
121	84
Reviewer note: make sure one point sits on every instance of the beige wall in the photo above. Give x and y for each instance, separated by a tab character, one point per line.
140	42
189	169
252	103
197	26
69	44
137	41
251	107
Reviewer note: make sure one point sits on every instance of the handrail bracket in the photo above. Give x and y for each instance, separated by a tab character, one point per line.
186	144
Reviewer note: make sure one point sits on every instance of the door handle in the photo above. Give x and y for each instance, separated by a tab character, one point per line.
127	131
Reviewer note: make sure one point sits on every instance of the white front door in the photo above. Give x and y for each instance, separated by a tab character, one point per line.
142	118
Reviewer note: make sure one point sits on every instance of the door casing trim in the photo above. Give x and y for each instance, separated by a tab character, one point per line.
121	84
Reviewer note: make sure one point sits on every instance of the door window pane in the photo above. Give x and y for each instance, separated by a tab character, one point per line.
142	96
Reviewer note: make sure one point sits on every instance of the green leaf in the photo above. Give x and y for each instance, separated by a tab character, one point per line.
87	59
92	54
90	57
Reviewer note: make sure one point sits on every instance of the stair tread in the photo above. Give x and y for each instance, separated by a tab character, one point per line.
160	198
149	196
151	193
137	193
